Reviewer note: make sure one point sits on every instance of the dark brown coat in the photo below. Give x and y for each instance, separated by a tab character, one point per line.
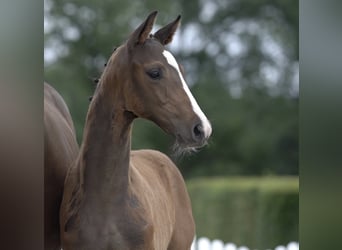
60	150
118	199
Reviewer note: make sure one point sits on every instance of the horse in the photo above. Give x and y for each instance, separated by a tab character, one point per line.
115	198
60	150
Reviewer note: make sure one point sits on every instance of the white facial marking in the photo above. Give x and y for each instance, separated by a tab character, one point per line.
205	123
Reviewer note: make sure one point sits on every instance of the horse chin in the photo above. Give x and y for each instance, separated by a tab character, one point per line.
181	147
181	150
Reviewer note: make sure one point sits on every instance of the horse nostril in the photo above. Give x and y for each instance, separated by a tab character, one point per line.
198	132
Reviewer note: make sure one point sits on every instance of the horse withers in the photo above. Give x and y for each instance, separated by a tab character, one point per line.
115	198
60	150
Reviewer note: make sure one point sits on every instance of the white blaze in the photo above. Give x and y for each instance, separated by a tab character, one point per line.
205	123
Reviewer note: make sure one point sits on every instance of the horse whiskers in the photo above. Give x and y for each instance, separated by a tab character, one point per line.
179	150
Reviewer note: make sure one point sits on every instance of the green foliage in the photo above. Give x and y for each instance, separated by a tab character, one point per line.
260	213
250	136
254	116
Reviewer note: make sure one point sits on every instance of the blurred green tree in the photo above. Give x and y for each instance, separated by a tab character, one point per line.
240	59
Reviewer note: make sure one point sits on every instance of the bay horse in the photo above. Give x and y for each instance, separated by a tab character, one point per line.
119	199
60	150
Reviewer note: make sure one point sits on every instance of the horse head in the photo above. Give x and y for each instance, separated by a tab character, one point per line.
152	86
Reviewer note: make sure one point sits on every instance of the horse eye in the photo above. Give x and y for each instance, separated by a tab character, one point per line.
154	73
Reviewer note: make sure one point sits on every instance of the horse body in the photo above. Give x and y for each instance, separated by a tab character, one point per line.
153	213
60	149
115	198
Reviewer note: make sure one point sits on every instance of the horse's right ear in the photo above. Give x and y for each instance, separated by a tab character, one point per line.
143	31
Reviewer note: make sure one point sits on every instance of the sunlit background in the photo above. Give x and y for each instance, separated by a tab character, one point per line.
241	62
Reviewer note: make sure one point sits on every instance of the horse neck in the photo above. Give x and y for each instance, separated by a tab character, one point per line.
105	152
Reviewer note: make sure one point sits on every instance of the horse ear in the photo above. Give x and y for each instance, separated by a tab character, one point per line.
165	34
142	32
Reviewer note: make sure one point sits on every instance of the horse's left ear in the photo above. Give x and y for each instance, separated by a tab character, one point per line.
165	34
143	31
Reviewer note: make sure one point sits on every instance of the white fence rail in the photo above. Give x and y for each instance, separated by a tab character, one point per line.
205	244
